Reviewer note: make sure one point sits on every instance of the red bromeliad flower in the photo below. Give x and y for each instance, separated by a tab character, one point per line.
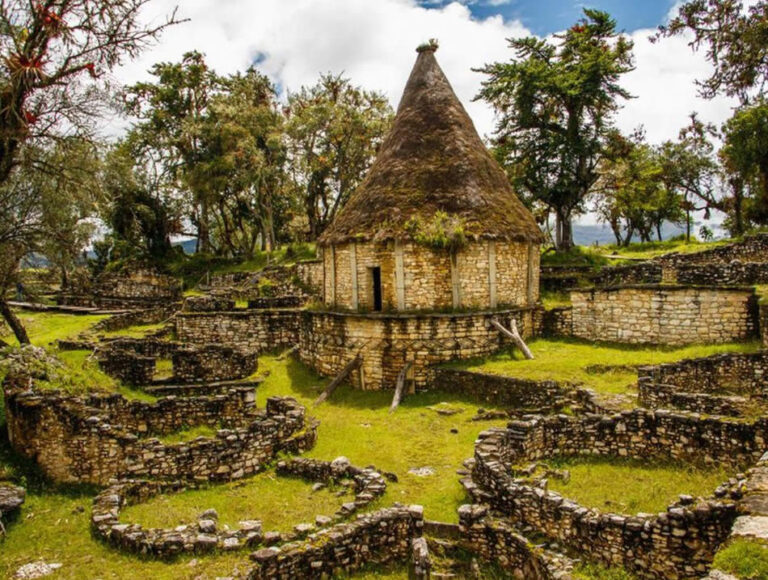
91	68
25	65
50	19
29	117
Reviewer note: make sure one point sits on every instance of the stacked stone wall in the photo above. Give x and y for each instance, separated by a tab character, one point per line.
427	278
375	538
764	323
679	543
330	340
751	249
310	272
127	290
664	314
127	366
94	440
212	362
641	273
125	320
733	273
249	330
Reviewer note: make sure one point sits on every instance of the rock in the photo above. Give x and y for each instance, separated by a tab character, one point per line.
272	538
421	471
36	570
210	514
318	486
207	526
323	521
250	525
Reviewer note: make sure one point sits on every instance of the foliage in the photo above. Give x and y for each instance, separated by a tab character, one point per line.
735	43
334	131
745	558
442	232
555	104
631	486
631	194
576	256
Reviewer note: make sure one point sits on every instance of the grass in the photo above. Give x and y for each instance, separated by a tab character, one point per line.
279	502
578	256
647	250
592	571
189	434
568	360
744	558
552	300
44	328
630	486
138	331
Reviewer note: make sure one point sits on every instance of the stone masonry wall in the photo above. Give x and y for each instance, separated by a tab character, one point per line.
330	340
95	440
427	276
734	273
249	330
375	538
679	543
212	362
664	314
764	323
310	272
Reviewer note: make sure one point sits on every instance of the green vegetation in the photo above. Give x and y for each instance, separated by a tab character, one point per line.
744	558
189	434
569	360
591	571
45	328
648	250
138	331
577	256
279	502
552	300
630	486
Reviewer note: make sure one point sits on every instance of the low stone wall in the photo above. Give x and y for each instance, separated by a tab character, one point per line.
376	538
561	278
212	362
11	499
98	438
369	484
558	322
277	302
386	342
751	249
127	366
500	391
209	303
764	323
733	273
496	542
139	285
724	383
311	274
672	315
154	315
248	330
152	347
679	543
200	538
640	273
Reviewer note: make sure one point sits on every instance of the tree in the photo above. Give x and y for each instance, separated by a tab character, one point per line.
555	103
55	54
745	155
631	195
690	168
334	132
171	113
735	41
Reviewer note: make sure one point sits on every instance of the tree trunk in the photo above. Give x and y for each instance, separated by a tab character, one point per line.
738	207
564	229
18	328
203	230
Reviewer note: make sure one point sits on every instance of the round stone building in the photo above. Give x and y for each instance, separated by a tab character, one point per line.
429	247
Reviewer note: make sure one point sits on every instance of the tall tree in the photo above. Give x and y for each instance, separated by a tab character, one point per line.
171	112
555	103
334	132
735	43
55	54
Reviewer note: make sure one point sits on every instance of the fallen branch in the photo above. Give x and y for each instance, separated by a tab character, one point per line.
345	372
514	335
400	386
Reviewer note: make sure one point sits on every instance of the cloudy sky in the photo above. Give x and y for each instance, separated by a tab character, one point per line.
373	41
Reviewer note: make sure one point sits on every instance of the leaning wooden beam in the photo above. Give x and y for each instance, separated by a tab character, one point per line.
286	354
351	365
400	386
514	335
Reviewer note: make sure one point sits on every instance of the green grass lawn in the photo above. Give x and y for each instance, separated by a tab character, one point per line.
630	486
279	502
648	250
45	328
744	558
568	360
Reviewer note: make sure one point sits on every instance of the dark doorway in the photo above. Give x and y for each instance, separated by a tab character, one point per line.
376	286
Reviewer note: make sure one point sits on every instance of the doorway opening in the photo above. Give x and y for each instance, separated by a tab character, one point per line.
376	288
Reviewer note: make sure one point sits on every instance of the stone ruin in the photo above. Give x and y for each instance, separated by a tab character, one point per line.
131	290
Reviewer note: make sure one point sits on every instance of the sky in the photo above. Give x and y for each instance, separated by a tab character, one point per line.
372	42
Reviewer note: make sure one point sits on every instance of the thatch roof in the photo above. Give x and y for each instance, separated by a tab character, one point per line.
432	162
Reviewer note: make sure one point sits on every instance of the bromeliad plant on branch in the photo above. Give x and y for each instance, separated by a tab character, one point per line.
54	57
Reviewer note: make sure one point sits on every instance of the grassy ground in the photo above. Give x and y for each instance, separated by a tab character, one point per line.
45	328
630	486
569	360
279	502
653	249
745	559
139	331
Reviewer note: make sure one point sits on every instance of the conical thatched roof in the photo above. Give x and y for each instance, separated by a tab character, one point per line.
432	161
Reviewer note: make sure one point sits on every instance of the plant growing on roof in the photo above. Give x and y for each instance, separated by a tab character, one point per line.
441	232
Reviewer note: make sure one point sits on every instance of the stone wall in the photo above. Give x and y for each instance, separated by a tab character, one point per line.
764	323
153	315
427	281
499	391
640	273
127	290
386	342
310	272
729	384
127	366
249	330
212	362
95	439
375	538
497	542
751	249
558	321
664	314
733	273
679	543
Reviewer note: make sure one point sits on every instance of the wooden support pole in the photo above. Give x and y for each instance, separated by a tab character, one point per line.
345	372
514	335
400	386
